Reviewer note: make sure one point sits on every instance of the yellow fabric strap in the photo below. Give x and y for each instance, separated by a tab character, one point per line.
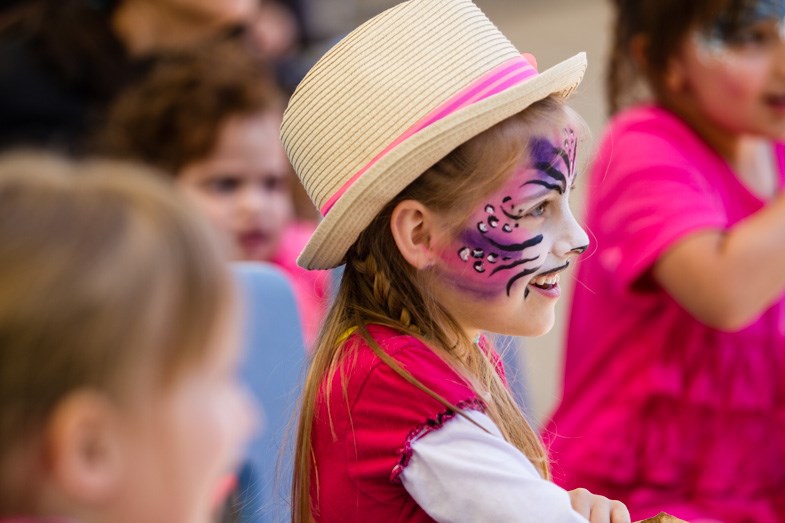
345	336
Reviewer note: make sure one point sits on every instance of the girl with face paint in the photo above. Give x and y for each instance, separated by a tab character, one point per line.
676	347
449	209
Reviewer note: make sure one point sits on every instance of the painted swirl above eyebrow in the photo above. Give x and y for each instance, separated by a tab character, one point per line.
553	172
546	156
551	186
566	159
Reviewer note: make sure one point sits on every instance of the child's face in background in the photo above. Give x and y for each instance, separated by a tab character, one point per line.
244	187
734	70
181	442
502	271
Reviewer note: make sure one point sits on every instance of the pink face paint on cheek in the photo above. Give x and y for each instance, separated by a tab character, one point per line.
498	249
492	253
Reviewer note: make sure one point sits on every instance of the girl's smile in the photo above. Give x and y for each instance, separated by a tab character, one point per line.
252	240
547	283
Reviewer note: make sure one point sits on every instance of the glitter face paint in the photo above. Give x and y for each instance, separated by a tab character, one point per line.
505	240
746	26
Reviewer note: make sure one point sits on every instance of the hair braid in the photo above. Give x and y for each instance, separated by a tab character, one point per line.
384	292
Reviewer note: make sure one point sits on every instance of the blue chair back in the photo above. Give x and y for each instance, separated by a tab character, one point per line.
273	368
510	350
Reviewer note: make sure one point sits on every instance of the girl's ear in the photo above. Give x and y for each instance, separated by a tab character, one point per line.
412	227
675	79
639	48
675	74
83	447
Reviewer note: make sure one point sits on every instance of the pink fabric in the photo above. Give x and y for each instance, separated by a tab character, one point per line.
497	80
374	425
659	410
311	288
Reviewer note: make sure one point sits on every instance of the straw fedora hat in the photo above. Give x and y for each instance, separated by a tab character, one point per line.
394	97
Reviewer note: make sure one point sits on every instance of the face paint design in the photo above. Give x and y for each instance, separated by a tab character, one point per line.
748	23
502	243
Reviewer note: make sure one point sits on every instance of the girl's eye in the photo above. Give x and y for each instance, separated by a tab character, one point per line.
754	35
749	37
539	210
275	184
223	184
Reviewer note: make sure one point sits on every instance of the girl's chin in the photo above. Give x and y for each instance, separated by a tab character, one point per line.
543	331
529	328
539	325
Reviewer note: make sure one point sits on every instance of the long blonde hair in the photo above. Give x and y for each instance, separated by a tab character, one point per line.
103	270
379	287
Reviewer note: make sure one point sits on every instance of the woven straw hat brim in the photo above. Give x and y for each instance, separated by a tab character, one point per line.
367	196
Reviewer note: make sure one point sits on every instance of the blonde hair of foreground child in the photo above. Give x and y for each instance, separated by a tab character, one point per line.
118	400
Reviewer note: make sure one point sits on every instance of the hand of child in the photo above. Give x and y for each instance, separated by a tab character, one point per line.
598	509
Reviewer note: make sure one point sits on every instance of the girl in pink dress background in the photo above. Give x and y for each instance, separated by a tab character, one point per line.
674	391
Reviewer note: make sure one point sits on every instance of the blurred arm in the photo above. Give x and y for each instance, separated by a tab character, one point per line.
727	279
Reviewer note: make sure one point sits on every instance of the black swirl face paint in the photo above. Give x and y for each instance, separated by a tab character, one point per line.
503	243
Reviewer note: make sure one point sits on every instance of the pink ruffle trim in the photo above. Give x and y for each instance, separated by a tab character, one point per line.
430	425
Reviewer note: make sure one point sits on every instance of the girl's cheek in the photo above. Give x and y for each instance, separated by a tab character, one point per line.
737	69
742	76
485	263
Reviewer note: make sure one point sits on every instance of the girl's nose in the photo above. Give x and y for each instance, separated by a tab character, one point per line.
574	240
253	200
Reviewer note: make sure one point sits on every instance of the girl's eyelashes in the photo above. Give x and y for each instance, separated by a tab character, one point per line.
222	184
754	36
539	210
275	183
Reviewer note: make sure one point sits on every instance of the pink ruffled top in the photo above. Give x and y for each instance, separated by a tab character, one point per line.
362	432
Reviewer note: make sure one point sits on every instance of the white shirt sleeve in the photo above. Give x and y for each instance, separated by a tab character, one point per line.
460	473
